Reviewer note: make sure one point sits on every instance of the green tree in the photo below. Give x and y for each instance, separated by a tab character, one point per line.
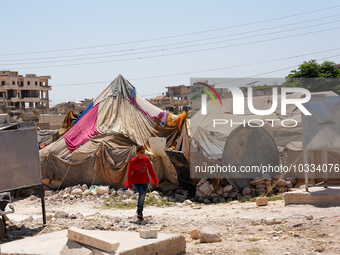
315	77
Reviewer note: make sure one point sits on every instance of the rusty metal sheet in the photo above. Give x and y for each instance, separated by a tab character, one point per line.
19	158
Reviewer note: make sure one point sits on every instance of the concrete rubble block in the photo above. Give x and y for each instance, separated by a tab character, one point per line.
170	246
211	187
261	201
247	197
129	192
216	200
89	238
120	191
207	201
289	184
84	187
187	202
77	191
85	193
226	194
213	195
195	234
73	248
101	190
205	188
246	191
209	236
200	193
146	234
227	188
180	198
260	186
222	200
233	194
61	215
293	180
281	183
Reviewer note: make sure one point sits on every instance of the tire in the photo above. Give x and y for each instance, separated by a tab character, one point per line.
2	228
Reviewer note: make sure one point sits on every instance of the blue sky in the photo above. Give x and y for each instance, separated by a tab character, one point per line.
91	42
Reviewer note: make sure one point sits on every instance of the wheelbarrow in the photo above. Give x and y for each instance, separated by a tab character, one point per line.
4	199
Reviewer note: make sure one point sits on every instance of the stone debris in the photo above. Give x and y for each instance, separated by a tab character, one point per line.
88	238
73	248
258	186
195	234
209	236
146	234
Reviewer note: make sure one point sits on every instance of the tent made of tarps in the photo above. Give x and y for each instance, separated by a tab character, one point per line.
295	162
272	123
99	147
68	122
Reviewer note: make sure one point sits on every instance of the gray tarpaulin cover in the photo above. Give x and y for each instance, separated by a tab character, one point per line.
105	158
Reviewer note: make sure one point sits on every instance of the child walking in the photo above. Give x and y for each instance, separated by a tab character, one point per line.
138	176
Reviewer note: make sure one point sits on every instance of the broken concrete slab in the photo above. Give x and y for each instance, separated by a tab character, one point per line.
148	234
130	244
73	248
318	196
87	237
261	201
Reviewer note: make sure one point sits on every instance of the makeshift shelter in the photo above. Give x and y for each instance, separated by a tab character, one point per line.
282	135
99	147
294	150
68	122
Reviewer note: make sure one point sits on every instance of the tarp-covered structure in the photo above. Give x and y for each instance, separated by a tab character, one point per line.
99	147
272	123
208	141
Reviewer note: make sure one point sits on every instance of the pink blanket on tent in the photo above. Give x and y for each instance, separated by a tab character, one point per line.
83	131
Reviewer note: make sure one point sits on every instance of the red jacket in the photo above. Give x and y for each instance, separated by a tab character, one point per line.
138	172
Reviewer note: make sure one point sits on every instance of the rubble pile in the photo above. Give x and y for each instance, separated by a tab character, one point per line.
207	193
82	193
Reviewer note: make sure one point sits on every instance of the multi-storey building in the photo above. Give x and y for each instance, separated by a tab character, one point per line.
20	92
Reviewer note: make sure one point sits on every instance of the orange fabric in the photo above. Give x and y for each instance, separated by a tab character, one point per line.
180	119
169	120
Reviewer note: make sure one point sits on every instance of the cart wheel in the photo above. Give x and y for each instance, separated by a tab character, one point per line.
2	228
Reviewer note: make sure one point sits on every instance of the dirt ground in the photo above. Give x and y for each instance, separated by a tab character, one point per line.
244	227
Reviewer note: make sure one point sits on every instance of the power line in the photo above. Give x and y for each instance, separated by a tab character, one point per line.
207	70
173	36
273	71
178	53
179	43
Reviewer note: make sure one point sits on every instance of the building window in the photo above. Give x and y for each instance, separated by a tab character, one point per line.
36	83
2	82
28	83
13	82
40	83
